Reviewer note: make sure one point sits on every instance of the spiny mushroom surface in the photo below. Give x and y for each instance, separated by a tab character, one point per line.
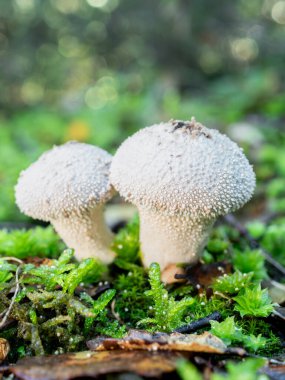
181	176
68	187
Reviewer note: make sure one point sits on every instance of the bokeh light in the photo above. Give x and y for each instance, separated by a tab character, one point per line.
70	47
32	92
244	49
67	6
25	5
210	61
97	3
278	12
102	93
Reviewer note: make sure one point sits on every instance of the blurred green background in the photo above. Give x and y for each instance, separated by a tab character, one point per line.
98	70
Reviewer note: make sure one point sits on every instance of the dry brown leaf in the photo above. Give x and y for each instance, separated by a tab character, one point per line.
205	274
92	364
4	349
142	340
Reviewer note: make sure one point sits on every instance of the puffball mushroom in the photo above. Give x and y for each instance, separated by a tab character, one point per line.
68	187
181	176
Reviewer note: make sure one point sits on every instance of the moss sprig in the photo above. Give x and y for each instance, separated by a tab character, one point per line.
167	314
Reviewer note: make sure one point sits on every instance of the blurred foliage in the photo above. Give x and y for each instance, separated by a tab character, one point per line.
246	370
25	135
36	242
98	70
59	50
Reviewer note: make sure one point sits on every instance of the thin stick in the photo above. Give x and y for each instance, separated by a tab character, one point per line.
116	315
199	323
270	217
276	312
232	221
10	258
7	313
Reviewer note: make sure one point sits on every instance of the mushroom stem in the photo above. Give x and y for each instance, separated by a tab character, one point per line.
87	234
171	239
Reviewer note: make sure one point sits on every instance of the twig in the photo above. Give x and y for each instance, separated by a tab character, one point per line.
199	323
17	288
254	244
276	312
222	295
115	314
271	216
10	258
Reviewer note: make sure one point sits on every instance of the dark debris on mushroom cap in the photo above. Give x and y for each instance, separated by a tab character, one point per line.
67	179
183	167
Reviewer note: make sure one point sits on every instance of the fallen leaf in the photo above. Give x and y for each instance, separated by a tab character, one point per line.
37	261
92	364
275	372
4	349
203	276
142	340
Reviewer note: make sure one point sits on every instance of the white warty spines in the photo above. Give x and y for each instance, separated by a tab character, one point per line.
68	187
67	179
181	176
183	170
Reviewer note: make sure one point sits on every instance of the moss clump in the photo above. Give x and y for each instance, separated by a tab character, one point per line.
50	315
62	303
36	242
166	313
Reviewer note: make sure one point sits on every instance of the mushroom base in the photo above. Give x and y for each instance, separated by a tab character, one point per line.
173	239
87	234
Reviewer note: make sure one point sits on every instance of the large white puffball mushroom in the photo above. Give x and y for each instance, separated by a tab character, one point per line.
181	176
68	187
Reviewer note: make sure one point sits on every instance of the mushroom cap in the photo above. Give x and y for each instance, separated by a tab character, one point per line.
67	179
181	168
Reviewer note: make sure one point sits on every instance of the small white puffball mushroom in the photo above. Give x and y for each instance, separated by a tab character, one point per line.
181	176
68	186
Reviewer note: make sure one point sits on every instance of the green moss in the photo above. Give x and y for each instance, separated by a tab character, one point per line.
48	313
132	304
54	312
232	283
232	334
227	330
274	240
166	314
217	245
205	306
126	243
40	242
250	261
254	302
